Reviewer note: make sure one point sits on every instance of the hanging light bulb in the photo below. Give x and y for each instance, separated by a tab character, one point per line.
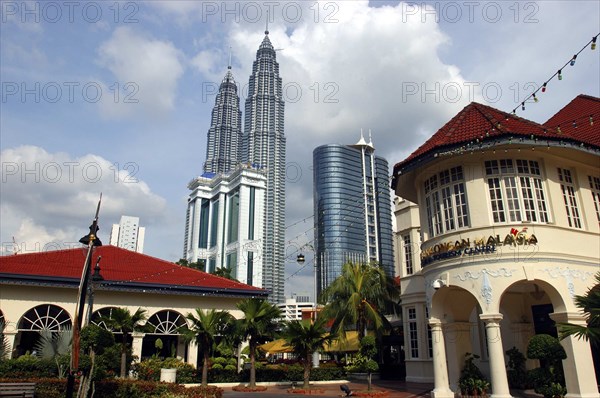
574	124
591	120
534	98
559	130
560	74
594	42
573	60
522	106
544	87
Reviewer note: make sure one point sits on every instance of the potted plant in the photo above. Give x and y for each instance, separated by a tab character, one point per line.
472	382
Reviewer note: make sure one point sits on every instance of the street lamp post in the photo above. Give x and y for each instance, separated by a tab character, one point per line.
301	260
91	240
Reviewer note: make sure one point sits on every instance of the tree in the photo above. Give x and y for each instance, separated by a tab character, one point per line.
590	305
306	337
260	323
206	326
200	264
224	272
51	345
549	379
122	321
364	361
359	297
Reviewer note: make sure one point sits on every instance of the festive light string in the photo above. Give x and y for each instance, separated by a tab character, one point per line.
558	73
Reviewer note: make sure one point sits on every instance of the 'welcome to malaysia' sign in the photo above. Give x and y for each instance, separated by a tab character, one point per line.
465	247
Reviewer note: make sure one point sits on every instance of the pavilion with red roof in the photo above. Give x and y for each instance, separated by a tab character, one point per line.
39	291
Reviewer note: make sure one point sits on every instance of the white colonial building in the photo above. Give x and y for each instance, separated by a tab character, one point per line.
502	233
224	222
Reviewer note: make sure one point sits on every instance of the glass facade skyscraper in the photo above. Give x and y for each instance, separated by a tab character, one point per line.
353	209
265	145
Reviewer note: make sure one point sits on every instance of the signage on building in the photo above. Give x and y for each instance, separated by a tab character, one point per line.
466	247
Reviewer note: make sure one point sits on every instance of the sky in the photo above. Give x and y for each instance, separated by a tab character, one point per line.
116	97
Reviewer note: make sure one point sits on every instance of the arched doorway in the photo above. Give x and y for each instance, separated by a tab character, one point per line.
43	317
457	310
164	326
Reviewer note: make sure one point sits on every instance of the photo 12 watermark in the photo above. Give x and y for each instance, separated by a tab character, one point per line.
292	92
70	172
53	92
454	92
69	11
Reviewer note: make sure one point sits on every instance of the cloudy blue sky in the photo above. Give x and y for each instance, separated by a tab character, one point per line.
115	97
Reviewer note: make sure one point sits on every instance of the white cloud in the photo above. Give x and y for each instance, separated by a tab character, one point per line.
49	199
145	68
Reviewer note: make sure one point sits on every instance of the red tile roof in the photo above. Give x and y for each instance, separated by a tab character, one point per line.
121	269
574	119
478	123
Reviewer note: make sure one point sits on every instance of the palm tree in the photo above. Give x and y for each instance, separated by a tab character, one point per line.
52	345
206	325
259	324
306	337
590	305
122	321
359	297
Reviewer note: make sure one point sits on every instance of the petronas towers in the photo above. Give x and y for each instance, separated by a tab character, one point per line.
236	211
264	144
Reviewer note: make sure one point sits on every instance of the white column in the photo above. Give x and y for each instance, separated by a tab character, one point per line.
136	345
440	369
10	338
496	355
579	366
192	357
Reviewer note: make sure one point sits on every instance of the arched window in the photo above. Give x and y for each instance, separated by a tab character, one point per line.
166	322
45	317
102	313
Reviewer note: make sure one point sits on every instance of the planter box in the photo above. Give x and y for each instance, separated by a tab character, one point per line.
168	375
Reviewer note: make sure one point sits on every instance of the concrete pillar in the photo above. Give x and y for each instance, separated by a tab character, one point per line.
579	366
136	345
192	357
496	355
440	369
10	338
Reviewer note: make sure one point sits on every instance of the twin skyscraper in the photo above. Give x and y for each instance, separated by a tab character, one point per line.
236	209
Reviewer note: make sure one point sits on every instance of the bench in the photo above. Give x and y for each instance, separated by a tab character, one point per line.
22	390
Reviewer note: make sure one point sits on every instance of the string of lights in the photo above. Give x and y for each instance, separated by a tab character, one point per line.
558	74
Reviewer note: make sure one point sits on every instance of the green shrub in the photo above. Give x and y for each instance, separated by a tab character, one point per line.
472	381
122	388
549	379
28	366
219	360
516	373
149	369
217	366
230	367
224	376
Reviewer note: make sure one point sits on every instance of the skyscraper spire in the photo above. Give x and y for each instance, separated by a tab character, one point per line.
265	145
224	138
